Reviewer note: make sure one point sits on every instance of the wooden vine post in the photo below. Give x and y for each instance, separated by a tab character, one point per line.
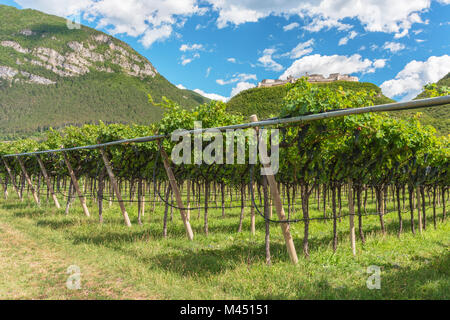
176	192
76	186
27	178
285	228
11	177
351	212
113	181
47	180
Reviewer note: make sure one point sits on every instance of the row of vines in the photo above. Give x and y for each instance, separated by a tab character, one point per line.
369	155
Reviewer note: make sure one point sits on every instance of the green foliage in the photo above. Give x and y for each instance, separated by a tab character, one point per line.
369	148
305	98
372	149
438	117
267	102
433	90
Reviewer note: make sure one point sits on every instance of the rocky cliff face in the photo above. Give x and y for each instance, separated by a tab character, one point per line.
99	52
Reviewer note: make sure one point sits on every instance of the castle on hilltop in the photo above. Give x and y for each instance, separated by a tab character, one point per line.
312	78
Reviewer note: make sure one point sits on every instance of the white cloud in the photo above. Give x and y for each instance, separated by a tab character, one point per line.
194	54
241	86
155	20
235	14
241	77
149	20
393	46
344	40
212	96
185	61
420	40
291	26
153	35
401	34
380	63
331	64
208	71
375	15
232	60
60	8
193	47
302	49
409	82
321	23
267	61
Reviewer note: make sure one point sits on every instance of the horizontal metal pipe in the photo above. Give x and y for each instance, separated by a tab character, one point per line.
414	104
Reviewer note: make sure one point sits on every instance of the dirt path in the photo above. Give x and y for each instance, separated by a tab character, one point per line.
31	270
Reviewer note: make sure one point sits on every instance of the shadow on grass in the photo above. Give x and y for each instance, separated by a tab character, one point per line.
392	227
244	252
31	213
64	223
430	281
205	261
18	205
112	238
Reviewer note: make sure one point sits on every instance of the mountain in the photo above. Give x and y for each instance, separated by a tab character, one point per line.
438	117
52	75
267	102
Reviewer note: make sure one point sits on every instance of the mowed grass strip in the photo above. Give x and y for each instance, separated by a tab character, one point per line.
33	269
38	244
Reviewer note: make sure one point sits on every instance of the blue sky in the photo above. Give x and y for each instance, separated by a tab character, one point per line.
219	47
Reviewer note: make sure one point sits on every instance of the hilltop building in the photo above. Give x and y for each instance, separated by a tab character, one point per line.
312	78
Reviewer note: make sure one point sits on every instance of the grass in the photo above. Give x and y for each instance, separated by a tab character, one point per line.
39	243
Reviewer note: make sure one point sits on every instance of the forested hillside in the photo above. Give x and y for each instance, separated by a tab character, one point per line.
51	76
438	117
266	102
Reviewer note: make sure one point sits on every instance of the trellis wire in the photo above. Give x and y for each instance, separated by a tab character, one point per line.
397	106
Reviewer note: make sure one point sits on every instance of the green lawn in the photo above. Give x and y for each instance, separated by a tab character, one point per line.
38	244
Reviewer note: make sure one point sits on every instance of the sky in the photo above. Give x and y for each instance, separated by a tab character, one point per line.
221	47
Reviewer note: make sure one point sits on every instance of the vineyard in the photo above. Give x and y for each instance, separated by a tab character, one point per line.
356	175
